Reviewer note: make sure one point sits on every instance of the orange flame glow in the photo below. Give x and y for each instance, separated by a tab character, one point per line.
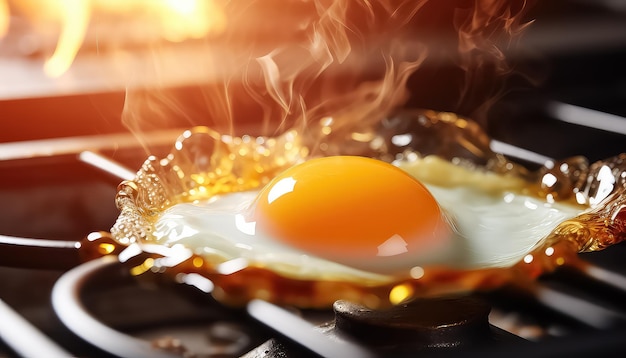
74	15
4	18
177	20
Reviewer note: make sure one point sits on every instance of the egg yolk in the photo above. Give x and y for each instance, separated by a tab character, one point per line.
357	211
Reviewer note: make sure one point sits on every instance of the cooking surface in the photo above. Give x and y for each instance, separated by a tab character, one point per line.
575	50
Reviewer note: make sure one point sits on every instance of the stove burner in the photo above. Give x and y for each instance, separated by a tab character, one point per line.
446	325
449	322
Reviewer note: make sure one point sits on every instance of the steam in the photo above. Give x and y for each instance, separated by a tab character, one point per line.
342	59
337	66
484	30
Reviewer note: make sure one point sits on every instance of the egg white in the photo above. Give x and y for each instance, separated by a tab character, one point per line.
494	225
217	229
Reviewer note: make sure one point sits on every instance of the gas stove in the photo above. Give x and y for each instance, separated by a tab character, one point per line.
55	136
67	194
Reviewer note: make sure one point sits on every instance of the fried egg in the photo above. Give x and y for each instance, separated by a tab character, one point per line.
355	218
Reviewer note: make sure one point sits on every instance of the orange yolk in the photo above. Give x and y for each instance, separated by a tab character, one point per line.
351	209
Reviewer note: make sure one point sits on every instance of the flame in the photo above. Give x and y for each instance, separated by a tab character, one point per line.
4	18
74	14
177	20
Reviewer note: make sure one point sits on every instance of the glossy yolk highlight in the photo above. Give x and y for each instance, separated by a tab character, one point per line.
351	209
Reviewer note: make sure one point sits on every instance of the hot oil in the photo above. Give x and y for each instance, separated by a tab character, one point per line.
237	281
